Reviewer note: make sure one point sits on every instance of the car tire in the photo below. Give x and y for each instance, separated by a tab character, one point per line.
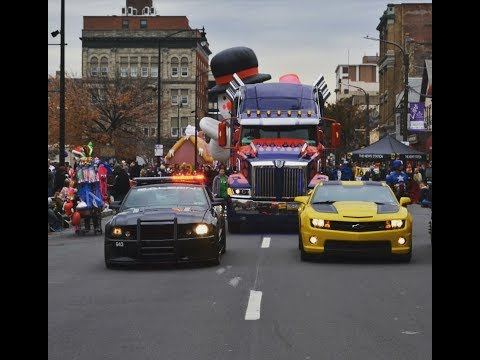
233	227
404	258
109	265
304	256
223	242
430	231
216	261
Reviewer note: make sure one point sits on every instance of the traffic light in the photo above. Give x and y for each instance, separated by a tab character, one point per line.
336	138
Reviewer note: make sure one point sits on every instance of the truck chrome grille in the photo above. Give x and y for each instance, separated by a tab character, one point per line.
270	182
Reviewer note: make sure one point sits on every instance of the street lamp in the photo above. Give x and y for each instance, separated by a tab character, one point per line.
196	116
61	141
159	77
367	116
178	114
406	65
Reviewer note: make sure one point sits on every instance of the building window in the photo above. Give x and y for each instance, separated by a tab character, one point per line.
153	131
174	126
143	24
94	66
154	66
184	96
174	64
345	69
345	91
184	67
145	131
174	99
104	66
144	71
125	24
123	71
133	71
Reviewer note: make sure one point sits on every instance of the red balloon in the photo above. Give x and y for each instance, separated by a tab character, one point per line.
68	208
76	218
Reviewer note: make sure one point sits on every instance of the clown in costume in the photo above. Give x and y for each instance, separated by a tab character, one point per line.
91	188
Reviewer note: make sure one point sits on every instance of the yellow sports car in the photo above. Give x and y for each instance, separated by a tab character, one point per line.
354	217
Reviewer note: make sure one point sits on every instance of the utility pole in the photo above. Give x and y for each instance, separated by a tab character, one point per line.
61	143
406	70
367	112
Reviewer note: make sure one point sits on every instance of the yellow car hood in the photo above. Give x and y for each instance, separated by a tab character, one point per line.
356	208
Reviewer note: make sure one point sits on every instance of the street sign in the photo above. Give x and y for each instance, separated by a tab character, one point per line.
158	150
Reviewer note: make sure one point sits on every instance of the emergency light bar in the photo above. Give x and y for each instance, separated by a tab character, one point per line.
190	179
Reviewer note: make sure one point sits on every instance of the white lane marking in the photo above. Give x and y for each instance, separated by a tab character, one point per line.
235	281
266	242
410	332
220	271
253	307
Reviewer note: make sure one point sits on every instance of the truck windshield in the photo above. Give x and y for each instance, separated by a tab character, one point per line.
304	132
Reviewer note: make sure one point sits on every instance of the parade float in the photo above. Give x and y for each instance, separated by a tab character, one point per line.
91	196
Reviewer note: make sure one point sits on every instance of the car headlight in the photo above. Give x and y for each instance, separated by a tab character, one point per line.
320	223
201	229
394	224
117	231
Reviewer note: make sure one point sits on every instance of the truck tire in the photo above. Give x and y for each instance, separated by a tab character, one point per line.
233	227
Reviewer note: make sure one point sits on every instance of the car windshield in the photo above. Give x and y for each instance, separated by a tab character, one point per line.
166	197
332	193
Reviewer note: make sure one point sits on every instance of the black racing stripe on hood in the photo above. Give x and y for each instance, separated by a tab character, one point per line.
325	208
387	209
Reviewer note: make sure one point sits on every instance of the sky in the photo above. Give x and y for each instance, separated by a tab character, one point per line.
305	37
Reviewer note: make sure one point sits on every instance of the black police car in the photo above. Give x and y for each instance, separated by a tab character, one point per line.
166	220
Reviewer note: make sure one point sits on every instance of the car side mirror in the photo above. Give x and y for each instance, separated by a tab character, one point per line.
217	201
404	201
115	205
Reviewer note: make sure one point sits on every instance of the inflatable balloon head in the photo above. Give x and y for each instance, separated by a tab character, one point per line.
242	61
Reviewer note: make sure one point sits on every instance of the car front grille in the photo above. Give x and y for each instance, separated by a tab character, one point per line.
368	247
357	226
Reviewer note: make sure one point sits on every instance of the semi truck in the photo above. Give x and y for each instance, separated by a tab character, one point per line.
275	139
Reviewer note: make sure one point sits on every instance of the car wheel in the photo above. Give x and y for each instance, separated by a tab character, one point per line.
233	227
430	231
109	265
404	258
216	261
303	255
223	241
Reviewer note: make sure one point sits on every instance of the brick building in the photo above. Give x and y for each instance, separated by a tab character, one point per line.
132	45
409	26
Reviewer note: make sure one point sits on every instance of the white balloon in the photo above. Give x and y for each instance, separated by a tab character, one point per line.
209	127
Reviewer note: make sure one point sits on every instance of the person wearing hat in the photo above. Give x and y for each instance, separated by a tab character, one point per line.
121	183
242	61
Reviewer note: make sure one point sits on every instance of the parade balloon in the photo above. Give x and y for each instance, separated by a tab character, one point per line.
76	218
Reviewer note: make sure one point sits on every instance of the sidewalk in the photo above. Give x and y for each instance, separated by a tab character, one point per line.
105	213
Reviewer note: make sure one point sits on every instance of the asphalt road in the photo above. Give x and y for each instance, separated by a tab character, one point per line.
342	309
